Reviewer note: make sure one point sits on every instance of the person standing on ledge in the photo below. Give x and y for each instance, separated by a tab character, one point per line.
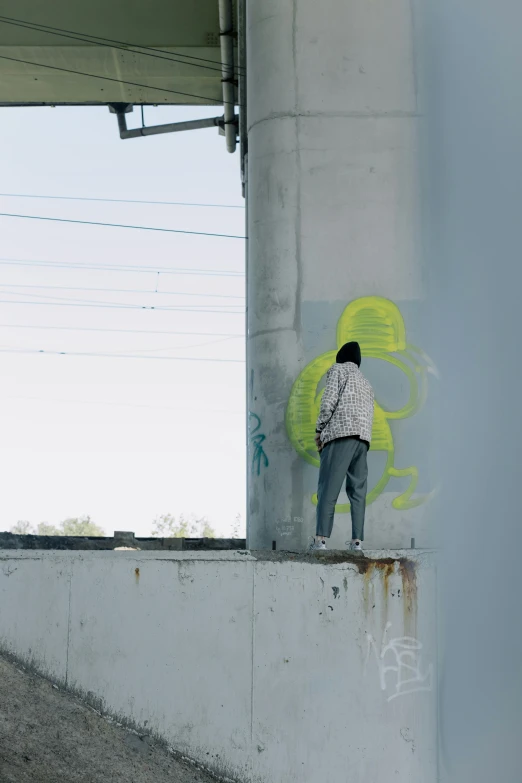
343	435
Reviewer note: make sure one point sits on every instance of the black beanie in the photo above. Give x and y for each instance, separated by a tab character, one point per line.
350	352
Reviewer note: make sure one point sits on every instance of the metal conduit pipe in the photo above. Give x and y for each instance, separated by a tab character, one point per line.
227	36
172	127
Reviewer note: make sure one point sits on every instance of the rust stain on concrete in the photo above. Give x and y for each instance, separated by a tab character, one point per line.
367	579
386	567
408	571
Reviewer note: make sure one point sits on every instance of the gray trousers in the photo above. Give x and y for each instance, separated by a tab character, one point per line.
342	458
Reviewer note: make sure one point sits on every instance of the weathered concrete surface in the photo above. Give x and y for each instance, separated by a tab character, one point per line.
333	217
120	539
265	667
49	736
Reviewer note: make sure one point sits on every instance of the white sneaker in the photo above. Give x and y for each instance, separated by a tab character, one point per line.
316	545
355	546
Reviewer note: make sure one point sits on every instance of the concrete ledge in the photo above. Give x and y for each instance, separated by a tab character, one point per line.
121	539
232	555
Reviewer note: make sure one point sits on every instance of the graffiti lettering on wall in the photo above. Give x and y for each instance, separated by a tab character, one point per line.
377	324
256	438
400	657
285	528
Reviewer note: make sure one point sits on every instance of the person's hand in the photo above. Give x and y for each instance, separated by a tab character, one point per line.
318	442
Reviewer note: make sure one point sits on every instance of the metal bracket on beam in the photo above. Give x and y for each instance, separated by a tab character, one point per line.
121	109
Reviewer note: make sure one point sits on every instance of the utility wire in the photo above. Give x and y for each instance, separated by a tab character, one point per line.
121	404
165	349
38	26
118	290
92	39
121	225
123	268
188	308
182	347
109	306
206	99
120	356
123	201
38	327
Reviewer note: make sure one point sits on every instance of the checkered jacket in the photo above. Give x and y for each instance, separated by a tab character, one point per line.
346	405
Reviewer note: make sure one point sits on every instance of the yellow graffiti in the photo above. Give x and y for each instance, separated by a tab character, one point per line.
378	326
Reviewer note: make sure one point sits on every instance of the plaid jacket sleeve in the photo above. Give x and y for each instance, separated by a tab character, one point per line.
329	400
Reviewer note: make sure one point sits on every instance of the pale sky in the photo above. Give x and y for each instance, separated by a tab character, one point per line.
120	439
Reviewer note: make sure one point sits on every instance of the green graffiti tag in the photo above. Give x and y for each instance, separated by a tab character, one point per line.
259	458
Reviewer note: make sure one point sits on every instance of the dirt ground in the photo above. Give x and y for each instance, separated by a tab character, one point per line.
49	736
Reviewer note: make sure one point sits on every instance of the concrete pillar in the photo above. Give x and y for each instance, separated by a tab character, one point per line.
333	255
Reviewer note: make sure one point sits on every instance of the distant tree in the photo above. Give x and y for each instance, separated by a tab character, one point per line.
44	529
238	527
22	528
80	526
168	526
75	526
207	531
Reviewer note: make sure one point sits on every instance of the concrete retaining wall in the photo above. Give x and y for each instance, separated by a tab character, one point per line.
267	669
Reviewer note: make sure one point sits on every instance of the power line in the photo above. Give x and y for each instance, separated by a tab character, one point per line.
97	38
179	347
119	290
111	306
38	327
123	201
122	404
183	347
123	268
93	39
43	352
165	349
117	81
121	225
185	308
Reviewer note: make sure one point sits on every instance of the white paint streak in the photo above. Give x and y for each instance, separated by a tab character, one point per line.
404	654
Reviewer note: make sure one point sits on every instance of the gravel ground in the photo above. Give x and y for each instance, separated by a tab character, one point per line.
49	736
